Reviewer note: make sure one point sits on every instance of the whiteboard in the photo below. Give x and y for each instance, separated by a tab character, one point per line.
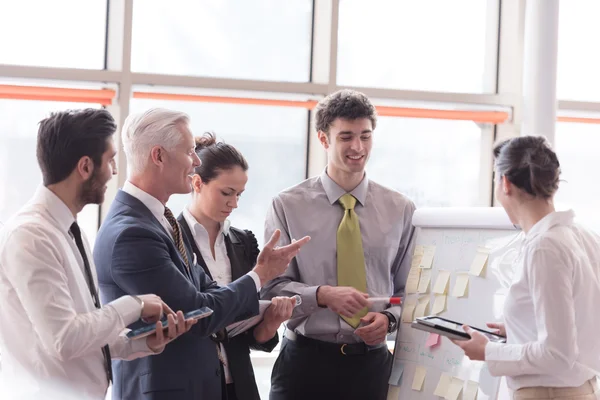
457	233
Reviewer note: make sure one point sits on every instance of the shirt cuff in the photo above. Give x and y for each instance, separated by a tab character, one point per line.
256	279
396	311
128	309
309	299
503	359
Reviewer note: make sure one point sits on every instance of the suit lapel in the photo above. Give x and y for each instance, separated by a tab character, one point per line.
136	204
236	254
188	232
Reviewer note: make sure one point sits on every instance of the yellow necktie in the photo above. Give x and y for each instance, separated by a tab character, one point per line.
350	257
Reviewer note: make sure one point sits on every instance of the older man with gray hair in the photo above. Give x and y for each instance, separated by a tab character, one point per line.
140	249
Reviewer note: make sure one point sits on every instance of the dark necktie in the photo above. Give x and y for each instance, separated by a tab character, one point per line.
177	236
76	232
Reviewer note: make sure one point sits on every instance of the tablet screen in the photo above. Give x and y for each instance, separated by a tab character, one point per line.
458	327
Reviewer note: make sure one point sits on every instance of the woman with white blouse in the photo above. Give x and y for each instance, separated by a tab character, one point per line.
550	313
227	253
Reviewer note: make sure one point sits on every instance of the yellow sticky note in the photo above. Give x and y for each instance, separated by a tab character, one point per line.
441	283
424	281
443	385
419	378
408	310
422	307
461	285
393	392
480	261
471	390
412	282
419	250
439	305
454	389
428	253
416	261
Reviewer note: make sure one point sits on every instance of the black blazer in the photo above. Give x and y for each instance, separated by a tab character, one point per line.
242	250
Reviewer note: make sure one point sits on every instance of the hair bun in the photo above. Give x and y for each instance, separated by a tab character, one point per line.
207	139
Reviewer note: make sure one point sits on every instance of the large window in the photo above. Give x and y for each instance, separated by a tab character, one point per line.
435	45
19	171
577	149
578	59
57	33
434	162
259	39
273	140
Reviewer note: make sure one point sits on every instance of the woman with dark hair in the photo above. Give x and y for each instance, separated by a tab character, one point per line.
227	253
553	347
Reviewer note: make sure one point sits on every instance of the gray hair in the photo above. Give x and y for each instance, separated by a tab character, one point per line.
142	131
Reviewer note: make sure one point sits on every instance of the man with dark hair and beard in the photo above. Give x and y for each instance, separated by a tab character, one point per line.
55	339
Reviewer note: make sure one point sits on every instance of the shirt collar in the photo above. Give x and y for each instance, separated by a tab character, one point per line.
198	228
57	209
550	221
154	205
334	191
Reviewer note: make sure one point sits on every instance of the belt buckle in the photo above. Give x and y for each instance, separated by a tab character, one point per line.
342	349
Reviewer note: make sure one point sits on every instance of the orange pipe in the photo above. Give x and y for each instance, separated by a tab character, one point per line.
41	93
581	120
493	117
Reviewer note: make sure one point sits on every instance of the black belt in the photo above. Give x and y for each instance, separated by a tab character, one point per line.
346	349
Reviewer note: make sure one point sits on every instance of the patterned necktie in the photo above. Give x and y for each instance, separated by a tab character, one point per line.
177	236
76	232
350	257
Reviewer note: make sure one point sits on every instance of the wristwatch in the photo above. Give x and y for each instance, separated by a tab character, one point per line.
392	324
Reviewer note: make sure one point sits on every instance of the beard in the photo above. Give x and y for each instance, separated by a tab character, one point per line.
92	190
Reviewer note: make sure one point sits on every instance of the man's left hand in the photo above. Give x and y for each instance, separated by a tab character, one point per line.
174	329
474	348
374	329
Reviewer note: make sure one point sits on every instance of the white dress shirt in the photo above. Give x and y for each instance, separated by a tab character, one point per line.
219	265
551	308
51	334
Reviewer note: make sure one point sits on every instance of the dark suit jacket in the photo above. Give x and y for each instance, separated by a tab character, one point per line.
242	250
135	255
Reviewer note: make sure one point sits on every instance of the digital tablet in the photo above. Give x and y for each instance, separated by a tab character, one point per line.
451	329
149	329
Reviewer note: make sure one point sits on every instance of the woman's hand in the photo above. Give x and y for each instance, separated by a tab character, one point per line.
474	348
498	328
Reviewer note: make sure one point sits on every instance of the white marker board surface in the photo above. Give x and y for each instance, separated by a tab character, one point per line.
458	234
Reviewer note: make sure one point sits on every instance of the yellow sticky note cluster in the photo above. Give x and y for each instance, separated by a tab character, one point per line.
424	281
480	261
427	260
422	307
419	379
441	283
461	285
439	305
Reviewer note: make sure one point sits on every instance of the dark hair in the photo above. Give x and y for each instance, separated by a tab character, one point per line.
530	164
346	104
216	157
66	136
